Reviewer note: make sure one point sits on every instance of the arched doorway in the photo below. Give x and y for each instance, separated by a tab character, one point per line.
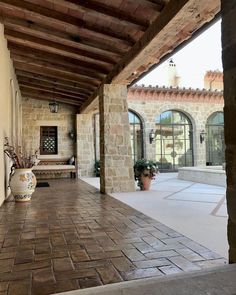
215	145
174	144
136	135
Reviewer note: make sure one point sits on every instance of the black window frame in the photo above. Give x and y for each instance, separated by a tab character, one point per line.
52	132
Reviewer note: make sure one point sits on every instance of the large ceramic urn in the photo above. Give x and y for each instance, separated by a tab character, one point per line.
22	184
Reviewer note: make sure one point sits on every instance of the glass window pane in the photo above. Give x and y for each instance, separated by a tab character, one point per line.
165	118
136	136
131	118
216	119
215	146
173	141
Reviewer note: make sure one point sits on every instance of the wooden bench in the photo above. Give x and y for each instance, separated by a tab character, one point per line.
55	166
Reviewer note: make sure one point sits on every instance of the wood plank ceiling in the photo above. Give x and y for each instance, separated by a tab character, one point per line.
66	49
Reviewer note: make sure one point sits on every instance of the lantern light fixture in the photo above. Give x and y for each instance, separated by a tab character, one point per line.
53	106
151	136
202	136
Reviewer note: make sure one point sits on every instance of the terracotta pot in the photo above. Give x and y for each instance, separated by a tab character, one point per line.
145	182
22	184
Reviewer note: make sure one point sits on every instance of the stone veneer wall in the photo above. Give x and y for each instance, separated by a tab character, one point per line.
196	104
36	113
115	146
85	145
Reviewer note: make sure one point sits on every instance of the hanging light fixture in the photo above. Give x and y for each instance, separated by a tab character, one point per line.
53	106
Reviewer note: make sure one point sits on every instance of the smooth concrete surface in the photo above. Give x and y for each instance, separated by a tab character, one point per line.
213	175
195	210
218	281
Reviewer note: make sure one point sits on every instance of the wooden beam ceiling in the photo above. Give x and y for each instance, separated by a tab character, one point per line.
69	48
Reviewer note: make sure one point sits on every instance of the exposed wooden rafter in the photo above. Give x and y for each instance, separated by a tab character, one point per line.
34	12
69	48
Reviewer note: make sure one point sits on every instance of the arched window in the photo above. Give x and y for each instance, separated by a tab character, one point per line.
215	145
136	136
174	146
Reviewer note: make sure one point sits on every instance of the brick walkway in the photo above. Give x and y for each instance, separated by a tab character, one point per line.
71	237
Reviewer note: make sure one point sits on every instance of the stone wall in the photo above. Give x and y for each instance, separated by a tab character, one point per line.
36	113
115	146
85	145
198	105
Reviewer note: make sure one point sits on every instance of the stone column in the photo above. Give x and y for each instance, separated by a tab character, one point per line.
199	147
115	146
150	147
229	65
85	145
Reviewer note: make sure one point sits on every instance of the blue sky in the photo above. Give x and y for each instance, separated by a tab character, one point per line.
202	54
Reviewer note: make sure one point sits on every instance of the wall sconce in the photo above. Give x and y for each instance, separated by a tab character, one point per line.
53	106
202	136
71	134
151	136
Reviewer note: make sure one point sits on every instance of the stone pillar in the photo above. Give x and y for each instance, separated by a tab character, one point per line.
229	65
199	147
150	147
115	147
85	145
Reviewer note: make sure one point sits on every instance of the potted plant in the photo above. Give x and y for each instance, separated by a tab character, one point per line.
22	179
144	172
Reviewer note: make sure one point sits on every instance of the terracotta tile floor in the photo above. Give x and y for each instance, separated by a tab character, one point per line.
71	237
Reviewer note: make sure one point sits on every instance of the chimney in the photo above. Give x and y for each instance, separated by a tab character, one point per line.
173	78
213	80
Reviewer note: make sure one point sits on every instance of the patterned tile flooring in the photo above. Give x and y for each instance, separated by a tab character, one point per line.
69	236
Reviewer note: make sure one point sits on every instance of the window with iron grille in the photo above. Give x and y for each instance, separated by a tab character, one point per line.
48	140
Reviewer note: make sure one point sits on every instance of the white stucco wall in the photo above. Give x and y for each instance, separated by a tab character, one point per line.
10	111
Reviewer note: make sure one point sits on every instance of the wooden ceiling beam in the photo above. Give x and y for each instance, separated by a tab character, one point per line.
62	60
67	36
51	89
60	71
49	94
52	64
55	81
83	54
46	34
20	42
91	85
51	85
152	4
34	12
29	94
98	9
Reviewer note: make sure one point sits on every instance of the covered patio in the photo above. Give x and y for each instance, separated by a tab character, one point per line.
84	55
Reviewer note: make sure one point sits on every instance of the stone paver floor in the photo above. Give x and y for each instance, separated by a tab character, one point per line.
70	237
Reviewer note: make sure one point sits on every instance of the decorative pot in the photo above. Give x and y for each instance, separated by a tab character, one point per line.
22	184
145	180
